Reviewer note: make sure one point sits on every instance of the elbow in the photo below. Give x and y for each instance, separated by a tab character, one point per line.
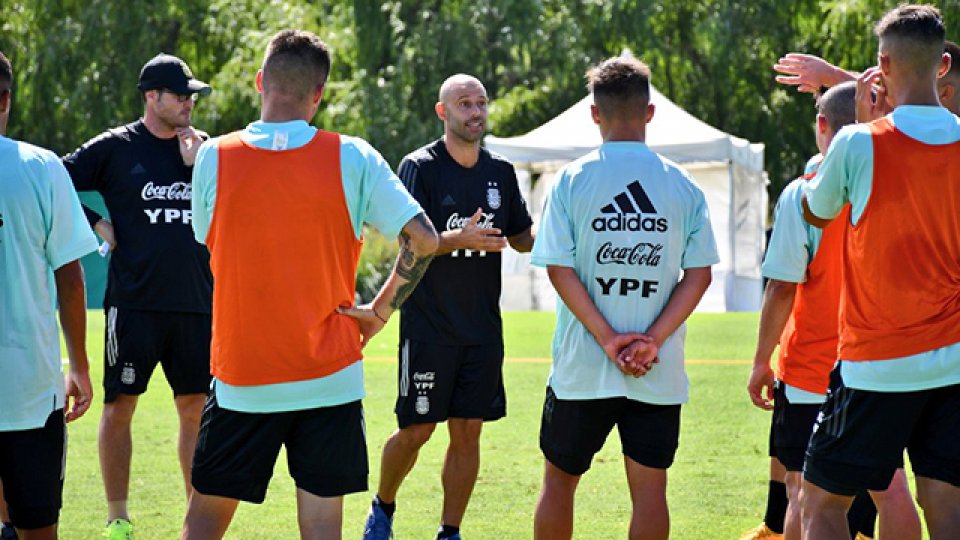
428	243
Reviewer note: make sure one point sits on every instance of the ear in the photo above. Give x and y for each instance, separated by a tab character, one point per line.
440	110
650	110
822	124
595	113
945	62
259	81
883	60
5	99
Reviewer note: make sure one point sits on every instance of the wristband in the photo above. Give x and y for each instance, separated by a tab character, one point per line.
377	315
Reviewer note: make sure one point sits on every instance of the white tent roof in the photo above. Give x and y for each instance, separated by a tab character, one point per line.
673	133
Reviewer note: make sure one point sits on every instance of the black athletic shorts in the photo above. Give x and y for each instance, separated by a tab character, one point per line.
32	463
860	437
135	341
790	428
438	382
572	431
236	452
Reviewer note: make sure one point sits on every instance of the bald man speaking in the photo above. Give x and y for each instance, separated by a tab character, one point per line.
451	336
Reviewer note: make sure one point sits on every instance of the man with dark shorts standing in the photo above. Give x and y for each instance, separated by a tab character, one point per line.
158	297
286	345
42	236
898	384
620	226
451	336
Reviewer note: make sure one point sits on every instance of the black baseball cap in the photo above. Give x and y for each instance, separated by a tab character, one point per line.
167	72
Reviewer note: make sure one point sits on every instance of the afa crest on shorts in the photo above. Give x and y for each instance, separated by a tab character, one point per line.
493	195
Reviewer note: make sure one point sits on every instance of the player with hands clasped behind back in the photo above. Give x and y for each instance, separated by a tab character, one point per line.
627	242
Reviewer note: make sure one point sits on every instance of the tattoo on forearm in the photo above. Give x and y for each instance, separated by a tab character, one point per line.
410	265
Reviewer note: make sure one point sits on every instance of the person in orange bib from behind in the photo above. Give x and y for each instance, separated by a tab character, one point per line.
899	375
803	265
281	205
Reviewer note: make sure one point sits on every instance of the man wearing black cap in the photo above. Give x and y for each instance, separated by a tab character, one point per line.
159	286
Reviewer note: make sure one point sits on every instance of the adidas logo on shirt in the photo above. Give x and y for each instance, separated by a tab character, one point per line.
626	212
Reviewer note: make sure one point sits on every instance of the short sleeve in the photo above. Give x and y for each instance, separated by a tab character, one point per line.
555	243
375	195
700	249
846	174
68	235
789	251
204	189
518	217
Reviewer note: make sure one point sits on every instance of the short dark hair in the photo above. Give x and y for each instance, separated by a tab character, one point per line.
953	50
915	34
619	84
839	105
296	63
6	73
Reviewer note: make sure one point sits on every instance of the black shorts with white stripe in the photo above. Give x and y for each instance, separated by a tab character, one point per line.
860	437
136	341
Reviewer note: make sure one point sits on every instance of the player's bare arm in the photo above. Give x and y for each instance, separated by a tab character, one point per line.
810	217
810	73
473	236
574	294
777	305
522	242
72	297
418	245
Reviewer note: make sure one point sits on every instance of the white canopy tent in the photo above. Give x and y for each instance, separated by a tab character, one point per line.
727	168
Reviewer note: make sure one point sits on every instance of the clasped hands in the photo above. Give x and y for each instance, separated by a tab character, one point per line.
633	353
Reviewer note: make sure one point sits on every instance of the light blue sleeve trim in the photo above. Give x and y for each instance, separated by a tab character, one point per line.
789	251
374	193
204	190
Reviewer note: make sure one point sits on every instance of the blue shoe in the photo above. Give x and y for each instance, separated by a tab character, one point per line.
378	525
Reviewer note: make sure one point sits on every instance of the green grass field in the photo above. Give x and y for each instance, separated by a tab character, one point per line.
716	486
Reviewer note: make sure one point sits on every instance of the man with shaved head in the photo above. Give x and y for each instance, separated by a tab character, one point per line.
899	369
451	338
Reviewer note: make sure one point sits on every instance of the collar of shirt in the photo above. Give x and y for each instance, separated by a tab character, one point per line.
263	134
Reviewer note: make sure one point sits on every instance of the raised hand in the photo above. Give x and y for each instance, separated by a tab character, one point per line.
871	106
189	140
478	238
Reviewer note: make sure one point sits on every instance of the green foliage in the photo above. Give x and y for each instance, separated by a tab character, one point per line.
76	62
